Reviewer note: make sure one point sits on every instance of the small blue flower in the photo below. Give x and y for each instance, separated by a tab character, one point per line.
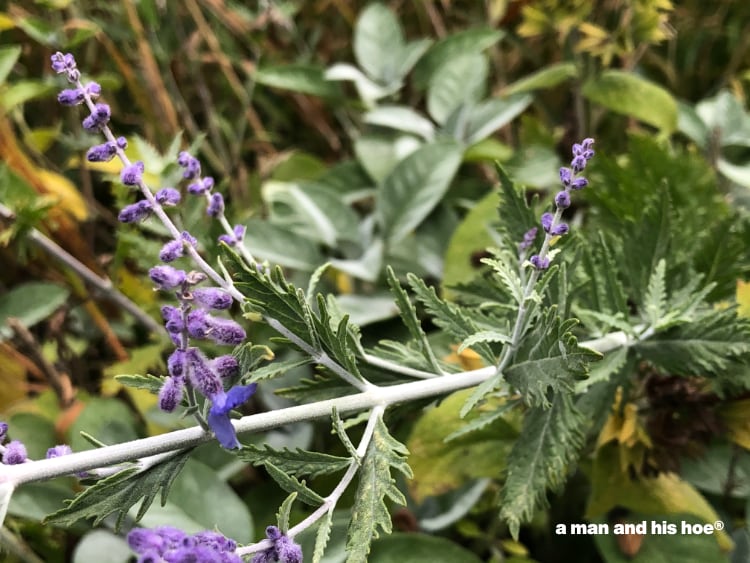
171	251
15	453
215	205
168	196
132	175
98	118
167	277
135	212
218	415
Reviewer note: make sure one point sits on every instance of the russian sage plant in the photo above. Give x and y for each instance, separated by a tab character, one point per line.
522	330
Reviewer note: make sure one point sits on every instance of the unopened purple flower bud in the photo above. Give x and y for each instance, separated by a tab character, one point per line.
201	375
135	212
93	89
172	319
71	96
198	324
15	453
215	540
562	199
143	540
288	551
132	175
547	221
559	229
215	205
176	363
226	366
167	277
579	184
59	451
566	175
586	143
171	251
225	331
201	186
212	298
102	153
539	263
168	196
122	142
3	431
170	393
190	239
191	165
577	149
578	164
238	233
528	238
63	63
98	118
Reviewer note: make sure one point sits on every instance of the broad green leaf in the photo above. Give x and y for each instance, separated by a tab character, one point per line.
377	43
420	548
35	431
548	443
460	82
490	115
415	187
267	241
107	420
367	267
22	91
30	303
189	502
102	546
34	501
368	90
366	309
305	78
410	55
464	42
634	96
409	317
488	150
370	514
548	77
41	30
440	466
725	117
690	123
401	118
119	492
739	174
379	154
8	57
294	462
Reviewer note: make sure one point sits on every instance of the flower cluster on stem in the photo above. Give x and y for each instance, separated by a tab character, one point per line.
172	545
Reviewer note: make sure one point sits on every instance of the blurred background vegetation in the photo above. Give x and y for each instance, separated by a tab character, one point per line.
306	113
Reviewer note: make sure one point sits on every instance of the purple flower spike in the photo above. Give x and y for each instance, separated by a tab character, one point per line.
98	118
132	175
191	165
102	153
226	366
59	451
547	221
539	263
202	376
562	199
72	97
170	393
215	205
15	453
225	331
218	415
167	277
212	298
135	212
171	251
168	197
559	229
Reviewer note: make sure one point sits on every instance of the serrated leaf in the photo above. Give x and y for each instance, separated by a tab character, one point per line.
655	304
707	345
322	536
294	462
291	485
483	336
508	276
413	189
632	95
149	382
516	217
370	513
340	430
282	516
548	443
409	316
117	493
305	78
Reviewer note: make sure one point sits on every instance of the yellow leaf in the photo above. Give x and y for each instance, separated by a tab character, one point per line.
743	298
468	359
6	22
68	197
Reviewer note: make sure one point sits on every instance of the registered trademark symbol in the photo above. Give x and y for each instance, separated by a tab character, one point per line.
719	525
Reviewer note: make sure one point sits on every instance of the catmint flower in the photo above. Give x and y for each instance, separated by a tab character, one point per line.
171	251
168	196
215	205
284	550
218	415
63	63
176	363
559	229
562	199
173	319
212	298
98	118
238	233
132	175
191	165
190	239
102	153
72	96
566	176
547	221
167	277
202	377
59	451
135	212
539	263
198	324
226	366
170	393
201	186
93	89
3	431
15	453
579	183
167	544
225	331
528	238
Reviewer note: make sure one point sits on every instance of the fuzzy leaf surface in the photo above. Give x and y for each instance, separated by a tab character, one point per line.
294	462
